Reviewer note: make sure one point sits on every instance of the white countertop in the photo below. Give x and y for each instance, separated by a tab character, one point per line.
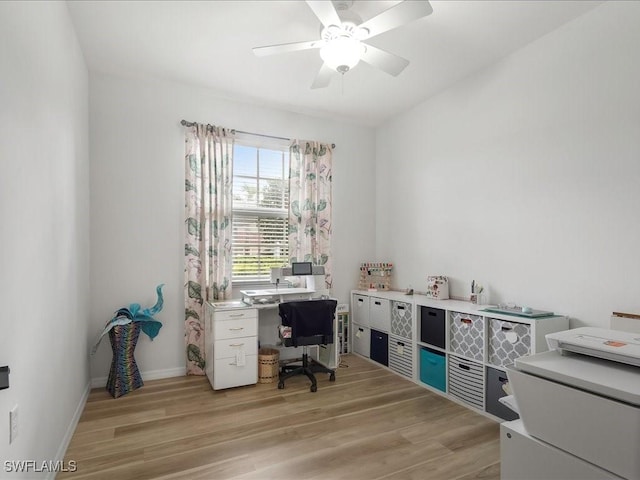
461	306
275	291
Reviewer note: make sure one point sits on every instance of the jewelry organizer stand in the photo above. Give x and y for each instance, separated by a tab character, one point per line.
375	276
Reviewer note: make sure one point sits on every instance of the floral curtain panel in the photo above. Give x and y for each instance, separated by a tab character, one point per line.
207	248
310	205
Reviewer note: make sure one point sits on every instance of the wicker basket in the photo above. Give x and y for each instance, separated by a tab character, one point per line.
268	365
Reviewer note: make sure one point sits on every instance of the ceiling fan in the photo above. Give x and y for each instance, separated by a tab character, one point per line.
342	37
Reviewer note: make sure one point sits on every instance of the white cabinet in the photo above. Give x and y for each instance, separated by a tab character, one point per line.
523	457
370	314
371	311
474	348
231	343
449	346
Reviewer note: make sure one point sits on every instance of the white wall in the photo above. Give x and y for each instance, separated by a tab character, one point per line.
525	176
44	237
137	199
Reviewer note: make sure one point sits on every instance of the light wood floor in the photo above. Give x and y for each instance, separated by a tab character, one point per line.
368	424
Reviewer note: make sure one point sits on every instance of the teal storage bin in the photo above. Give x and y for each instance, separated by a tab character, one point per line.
433	368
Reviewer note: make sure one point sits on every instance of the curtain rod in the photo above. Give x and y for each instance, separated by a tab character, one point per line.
191	124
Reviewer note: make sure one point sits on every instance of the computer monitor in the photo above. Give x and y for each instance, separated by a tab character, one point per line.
301	268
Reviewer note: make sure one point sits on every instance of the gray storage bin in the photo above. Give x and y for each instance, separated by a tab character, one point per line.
465	381
401	356
496	380
466	335
508	341
401	319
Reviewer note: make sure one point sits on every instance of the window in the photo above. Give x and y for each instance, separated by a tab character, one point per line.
260	200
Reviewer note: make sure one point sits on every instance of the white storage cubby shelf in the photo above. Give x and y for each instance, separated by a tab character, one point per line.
451	347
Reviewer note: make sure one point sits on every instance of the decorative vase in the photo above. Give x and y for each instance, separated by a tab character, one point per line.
124	375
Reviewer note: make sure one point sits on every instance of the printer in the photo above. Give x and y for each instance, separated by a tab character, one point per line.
579	407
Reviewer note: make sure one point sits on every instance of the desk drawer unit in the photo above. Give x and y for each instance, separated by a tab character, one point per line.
401	356
228	373
401	319
466	381
466	335
230	347
243	324
361	340
380	314
231	340
236	314
508	341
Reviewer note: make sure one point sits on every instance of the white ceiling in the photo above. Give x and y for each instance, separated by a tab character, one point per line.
208	43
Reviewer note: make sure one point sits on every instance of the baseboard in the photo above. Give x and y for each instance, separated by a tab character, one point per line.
100	382
64	444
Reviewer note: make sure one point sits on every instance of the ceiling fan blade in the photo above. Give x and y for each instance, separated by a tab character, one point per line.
385	61
286	47
323	78
325	11
396	16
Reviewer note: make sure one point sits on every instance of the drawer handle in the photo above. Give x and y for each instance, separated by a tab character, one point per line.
431	314
400	307
361	330
361	300
506	329
466	321
502	380
236	344
432	362
464	367
377	303
400	344
236	328
237	315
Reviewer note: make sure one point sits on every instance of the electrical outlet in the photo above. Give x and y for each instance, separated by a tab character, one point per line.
13	424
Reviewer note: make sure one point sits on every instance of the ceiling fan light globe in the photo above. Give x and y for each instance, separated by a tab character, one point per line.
342	53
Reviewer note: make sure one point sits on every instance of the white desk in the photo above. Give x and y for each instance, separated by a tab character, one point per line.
273	296
266	303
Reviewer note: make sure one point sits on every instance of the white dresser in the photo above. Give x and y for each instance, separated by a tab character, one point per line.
231	344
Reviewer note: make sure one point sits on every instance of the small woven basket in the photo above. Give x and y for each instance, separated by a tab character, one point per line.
268	365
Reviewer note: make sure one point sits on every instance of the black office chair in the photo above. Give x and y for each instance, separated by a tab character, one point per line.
311	323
